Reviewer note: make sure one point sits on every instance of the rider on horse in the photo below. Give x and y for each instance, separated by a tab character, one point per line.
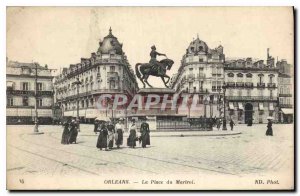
155	64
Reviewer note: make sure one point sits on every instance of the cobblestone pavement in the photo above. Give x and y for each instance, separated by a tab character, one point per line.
250	152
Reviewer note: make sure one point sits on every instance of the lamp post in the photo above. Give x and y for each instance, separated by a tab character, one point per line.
77	83
224	113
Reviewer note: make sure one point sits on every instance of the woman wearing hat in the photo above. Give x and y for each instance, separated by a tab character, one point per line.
119	133
66	133
73	132
110	136
102	138
131	140
145	136
153	61
269	128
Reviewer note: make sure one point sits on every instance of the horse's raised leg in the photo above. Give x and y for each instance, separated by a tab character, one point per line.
165	83
142	80
166	76
146	80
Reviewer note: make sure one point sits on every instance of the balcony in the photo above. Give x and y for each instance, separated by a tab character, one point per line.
112	75
248	84
191	76
285	95
286	105
29	93
251	98
271	85
230	84
201	76
261	85
240	84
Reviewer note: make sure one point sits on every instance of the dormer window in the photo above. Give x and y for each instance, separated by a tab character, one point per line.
201	48
192	49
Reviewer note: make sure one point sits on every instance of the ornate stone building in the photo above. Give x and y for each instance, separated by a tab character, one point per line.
251	90
285	92
106	72
20	93
201	73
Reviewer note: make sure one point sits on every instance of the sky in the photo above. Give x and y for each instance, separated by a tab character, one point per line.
60	36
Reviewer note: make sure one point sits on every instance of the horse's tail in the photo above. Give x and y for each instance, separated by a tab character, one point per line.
137	72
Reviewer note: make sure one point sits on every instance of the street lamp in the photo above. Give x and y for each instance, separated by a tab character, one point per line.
36	124
77	83
224	98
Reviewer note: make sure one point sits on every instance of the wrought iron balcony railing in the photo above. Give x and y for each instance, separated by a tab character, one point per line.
271	85
261	85
251	98
239	84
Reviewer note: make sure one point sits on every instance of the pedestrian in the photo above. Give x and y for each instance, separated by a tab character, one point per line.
219	122
269	128
119	133
110	136
102	138
66	133
131	140
73	132
224	123
249	122
231	123
145	136
96	124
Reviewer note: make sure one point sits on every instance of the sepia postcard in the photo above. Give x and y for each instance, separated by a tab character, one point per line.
150	98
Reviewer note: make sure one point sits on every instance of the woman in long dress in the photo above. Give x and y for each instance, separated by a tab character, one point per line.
145	136
110	137
73	132
269	128
102	138
119	134
131	141
65	135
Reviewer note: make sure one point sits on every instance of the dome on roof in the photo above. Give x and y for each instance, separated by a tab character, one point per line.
197	45
110	44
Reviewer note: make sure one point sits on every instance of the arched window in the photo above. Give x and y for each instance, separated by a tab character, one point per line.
249	75
231	75
240	75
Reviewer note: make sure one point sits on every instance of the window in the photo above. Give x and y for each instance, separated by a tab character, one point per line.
249	93
261	78
191	69
82	103
200	48
230	75
39	86
92	101
249	75
25	101
112	68
260	92
271	93
281	90
192	49
39	102
240	92
87	103
10	102
112	84
25	86
200	60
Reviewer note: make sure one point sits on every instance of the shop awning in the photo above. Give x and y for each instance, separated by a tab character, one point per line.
261	106
231	107
271	107
241	106
287	110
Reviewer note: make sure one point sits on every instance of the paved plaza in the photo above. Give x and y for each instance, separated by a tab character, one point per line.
240	154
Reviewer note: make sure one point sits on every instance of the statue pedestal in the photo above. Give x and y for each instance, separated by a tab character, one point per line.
156	90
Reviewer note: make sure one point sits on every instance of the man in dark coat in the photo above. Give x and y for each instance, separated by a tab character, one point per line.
145	136
96	124
102	138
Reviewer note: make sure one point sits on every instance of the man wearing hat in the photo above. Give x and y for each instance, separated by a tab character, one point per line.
153	61
145	137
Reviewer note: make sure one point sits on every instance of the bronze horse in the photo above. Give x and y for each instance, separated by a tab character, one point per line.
146	70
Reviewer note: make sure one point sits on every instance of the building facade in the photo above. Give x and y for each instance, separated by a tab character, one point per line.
286	100
251	90
201	73
106	72
20	91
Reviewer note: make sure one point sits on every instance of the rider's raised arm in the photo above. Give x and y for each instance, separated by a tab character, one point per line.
160	54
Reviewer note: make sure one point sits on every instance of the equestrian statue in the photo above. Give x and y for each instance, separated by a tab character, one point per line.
154	68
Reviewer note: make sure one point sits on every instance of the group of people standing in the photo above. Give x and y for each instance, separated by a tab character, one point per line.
70	132
110	134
